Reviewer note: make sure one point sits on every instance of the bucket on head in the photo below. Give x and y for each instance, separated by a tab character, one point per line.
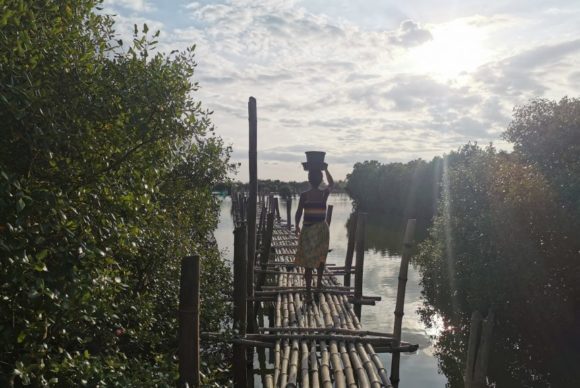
314	161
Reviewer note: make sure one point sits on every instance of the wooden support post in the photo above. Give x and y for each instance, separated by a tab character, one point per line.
249	288
265	251
261	226
253	189
276	208
235	207
360	261
399	309
350	249
240	306
243	209
251	235
270	203
289	212
329	214
189	322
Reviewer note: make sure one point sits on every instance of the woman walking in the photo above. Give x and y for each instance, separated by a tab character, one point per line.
314	234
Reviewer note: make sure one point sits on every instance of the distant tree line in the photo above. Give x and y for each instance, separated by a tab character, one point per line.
397	189
106	168
284	189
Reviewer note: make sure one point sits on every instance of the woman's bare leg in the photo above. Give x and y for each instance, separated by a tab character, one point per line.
320	272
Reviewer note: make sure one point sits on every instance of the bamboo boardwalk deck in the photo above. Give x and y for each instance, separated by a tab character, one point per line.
316	344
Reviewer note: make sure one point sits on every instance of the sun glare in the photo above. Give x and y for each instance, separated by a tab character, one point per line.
456	48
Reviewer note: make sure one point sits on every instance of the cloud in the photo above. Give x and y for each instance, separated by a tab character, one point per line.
523	72
356	84
472	128
410	34
574	78
416	92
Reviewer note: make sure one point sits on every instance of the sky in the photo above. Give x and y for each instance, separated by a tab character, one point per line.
386	80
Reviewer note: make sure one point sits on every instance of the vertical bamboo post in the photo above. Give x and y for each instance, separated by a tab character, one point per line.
265	251
189	322
360	262
277	208
235	207
399	308
253	189
251	231
474	334
329	214
243	208
240	307
289	211
350	249
270	203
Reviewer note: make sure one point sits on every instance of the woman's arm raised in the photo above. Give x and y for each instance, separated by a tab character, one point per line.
329	179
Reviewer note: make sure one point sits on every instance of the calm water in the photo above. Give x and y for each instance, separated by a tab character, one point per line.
380	279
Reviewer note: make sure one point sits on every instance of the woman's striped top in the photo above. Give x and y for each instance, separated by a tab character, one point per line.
315	211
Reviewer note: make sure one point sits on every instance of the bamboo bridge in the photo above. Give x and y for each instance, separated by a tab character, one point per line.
312	344
317	344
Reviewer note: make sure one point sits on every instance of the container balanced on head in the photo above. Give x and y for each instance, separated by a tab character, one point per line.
314	234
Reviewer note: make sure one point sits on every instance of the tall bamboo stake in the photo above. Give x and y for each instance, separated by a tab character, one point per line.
270	203
360	261
189	322
240	306
350	249
265	251
253	189
399	309
289	211
277	208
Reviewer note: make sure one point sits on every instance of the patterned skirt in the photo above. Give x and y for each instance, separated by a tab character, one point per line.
313	245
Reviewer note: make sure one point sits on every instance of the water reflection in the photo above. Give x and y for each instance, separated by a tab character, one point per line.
385	233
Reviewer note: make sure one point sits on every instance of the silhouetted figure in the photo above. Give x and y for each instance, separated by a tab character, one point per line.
314	234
